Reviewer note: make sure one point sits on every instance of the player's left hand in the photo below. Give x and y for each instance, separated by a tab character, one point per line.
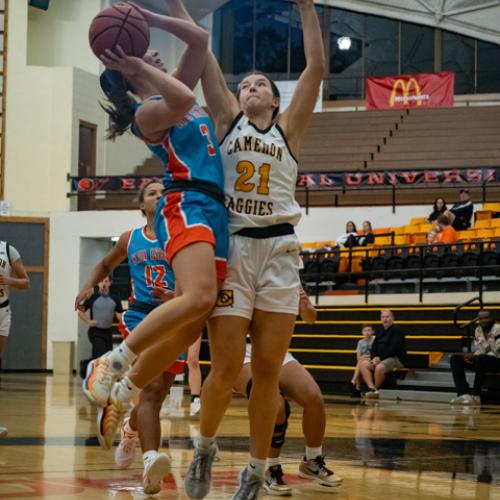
162	294
119	61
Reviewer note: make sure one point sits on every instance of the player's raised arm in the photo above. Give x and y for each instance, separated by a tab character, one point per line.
296	117
221	102
193	59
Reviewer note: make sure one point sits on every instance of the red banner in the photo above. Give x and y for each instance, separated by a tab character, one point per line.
425	90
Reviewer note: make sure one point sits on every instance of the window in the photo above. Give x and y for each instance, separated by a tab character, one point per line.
417	48
381	46
458	56
271	40
488	76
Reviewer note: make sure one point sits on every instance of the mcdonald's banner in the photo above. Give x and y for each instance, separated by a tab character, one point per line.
424	90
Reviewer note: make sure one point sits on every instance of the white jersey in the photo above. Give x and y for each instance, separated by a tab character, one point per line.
8	254
260	176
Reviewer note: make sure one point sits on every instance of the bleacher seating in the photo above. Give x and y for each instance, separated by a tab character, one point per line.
327	348
398	139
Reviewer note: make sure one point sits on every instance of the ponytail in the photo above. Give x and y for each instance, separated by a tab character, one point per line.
121	111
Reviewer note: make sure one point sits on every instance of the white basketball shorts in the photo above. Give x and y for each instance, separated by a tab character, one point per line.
261	274
5	321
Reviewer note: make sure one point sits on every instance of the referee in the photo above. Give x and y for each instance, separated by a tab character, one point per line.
102	309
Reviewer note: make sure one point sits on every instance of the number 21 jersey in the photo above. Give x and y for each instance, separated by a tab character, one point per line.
260	174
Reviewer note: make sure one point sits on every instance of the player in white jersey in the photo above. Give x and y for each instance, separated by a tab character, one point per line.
12	274
260	295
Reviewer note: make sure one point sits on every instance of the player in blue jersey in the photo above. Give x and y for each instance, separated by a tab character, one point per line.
152	283
191	221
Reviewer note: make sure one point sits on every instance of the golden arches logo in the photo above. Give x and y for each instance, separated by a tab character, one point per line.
405	87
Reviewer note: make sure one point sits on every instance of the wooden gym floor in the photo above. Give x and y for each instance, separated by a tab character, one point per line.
385	451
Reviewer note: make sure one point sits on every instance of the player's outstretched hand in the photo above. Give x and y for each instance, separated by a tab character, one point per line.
119	61
82	297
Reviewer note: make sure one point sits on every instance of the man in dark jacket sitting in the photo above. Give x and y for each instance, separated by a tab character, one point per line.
388	353
463	211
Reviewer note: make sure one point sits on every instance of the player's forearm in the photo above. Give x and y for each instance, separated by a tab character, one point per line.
20	283
176	94
185	30
177	9
313	40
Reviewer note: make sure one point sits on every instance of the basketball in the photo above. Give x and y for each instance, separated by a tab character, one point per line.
121	24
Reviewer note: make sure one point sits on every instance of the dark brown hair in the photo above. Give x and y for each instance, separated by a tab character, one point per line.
122	109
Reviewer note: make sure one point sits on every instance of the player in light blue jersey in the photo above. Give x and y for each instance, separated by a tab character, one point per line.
191	220
152	282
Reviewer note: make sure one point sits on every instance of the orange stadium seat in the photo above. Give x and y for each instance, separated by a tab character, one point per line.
481	224
418	220
494	207
419	238
495	223
484	234
483	214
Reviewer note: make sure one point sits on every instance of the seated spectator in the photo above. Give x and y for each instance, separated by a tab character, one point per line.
368	237
439	208
462	210
350	238
484	359
388	353
363	353
446	232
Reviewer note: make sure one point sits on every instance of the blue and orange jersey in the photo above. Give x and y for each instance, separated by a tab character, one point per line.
189	150
148	267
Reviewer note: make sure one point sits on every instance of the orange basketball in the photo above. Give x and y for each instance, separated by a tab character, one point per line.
121	24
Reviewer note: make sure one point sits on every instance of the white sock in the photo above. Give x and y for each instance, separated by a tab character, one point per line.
205	443
121	358
148	456
271	462
312	453
125	390
257	467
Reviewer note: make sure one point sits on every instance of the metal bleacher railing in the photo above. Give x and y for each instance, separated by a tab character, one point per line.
330	267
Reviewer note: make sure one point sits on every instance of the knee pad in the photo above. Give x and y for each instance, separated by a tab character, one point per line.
279	432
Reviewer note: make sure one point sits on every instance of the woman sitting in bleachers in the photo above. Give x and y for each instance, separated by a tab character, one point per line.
368	237
350	238
439	208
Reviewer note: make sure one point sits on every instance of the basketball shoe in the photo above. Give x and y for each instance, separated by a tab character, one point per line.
274	484
99	381
316	470
3	432
250	485
125	452
154	472
109	419
195	406
198	478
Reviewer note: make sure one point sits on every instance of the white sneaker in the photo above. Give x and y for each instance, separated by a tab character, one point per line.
194	409
466	399
99	380
125	452
3	432
154	472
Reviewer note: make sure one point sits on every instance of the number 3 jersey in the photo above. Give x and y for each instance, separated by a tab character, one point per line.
148	267
189	149
260	176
